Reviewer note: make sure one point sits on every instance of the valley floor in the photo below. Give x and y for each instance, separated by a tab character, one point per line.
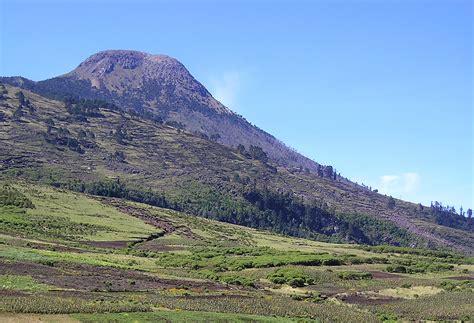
70	257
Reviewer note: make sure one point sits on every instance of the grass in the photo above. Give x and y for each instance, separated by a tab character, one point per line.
56	305
22	283
439	307
178	316
68	216
234	273
78	209
410	292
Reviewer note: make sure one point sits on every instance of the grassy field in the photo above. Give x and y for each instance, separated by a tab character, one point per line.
71	257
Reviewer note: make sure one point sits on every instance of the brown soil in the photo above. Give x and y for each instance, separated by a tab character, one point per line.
461	278
212	297
150	246
46	246
83	277
107	244
152	219
9	293
384	275
364	300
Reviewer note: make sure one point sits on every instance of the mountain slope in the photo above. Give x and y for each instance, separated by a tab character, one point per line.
161	87
60	144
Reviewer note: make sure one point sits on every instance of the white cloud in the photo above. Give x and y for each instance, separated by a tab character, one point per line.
399	185
226	88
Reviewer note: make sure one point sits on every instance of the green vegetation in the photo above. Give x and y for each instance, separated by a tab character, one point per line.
17	221
177	316
10	196
98	143
354	275
466	285
259	209
17	282
93	257
412	267
56	305
442	306
294	277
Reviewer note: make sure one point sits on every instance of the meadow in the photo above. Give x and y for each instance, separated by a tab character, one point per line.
67	256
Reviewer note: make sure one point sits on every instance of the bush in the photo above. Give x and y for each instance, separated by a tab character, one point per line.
354	275
413	267
10	196
396	269
294	277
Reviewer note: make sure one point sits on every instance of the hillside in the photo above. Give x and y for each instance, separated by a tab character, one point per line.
97	148
160	87
73	257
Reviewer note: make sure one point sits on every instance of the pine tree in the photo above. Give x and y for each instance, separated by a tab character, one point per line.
391	202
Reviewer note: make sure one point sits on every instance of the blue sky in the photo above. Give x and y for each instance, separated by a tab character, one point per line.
382	90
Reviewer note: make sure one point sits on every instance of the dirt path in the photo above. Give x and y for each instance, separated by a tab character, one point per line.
164	224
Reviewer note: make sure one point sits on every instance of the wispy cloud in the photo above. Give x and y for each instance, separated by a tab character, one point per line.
400	184
226	88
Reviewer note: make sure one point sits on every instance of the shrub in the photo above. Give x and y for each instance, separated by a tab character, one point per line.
354	275
396	269
10	196
294	277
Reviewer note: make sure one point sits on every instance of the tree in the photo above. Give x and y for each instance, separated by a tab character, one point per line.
119	134
241	149
18	113
81	134
320	171
50	122
215	137
328	172
257	153
469	213
3	93
391	202
21	98
118	156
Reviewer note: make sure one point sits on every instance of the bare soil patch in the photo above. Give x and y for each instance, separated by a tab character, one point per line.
10	293
461	278
384	275
150	246
152	219
366	300
107	244
83	277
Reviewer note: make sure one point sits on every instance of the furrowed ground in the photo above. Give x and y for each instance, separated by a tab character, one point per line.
67	256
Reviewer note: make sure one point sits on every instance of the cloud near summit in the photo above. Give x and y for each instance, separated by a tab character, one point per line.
401	184
226	88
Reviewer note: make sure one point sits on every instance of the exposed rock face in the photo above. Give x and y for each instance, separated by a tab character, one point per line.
150	77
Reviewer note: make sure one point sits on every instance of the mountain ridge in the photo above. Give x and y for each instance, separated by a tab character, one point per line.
161	86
